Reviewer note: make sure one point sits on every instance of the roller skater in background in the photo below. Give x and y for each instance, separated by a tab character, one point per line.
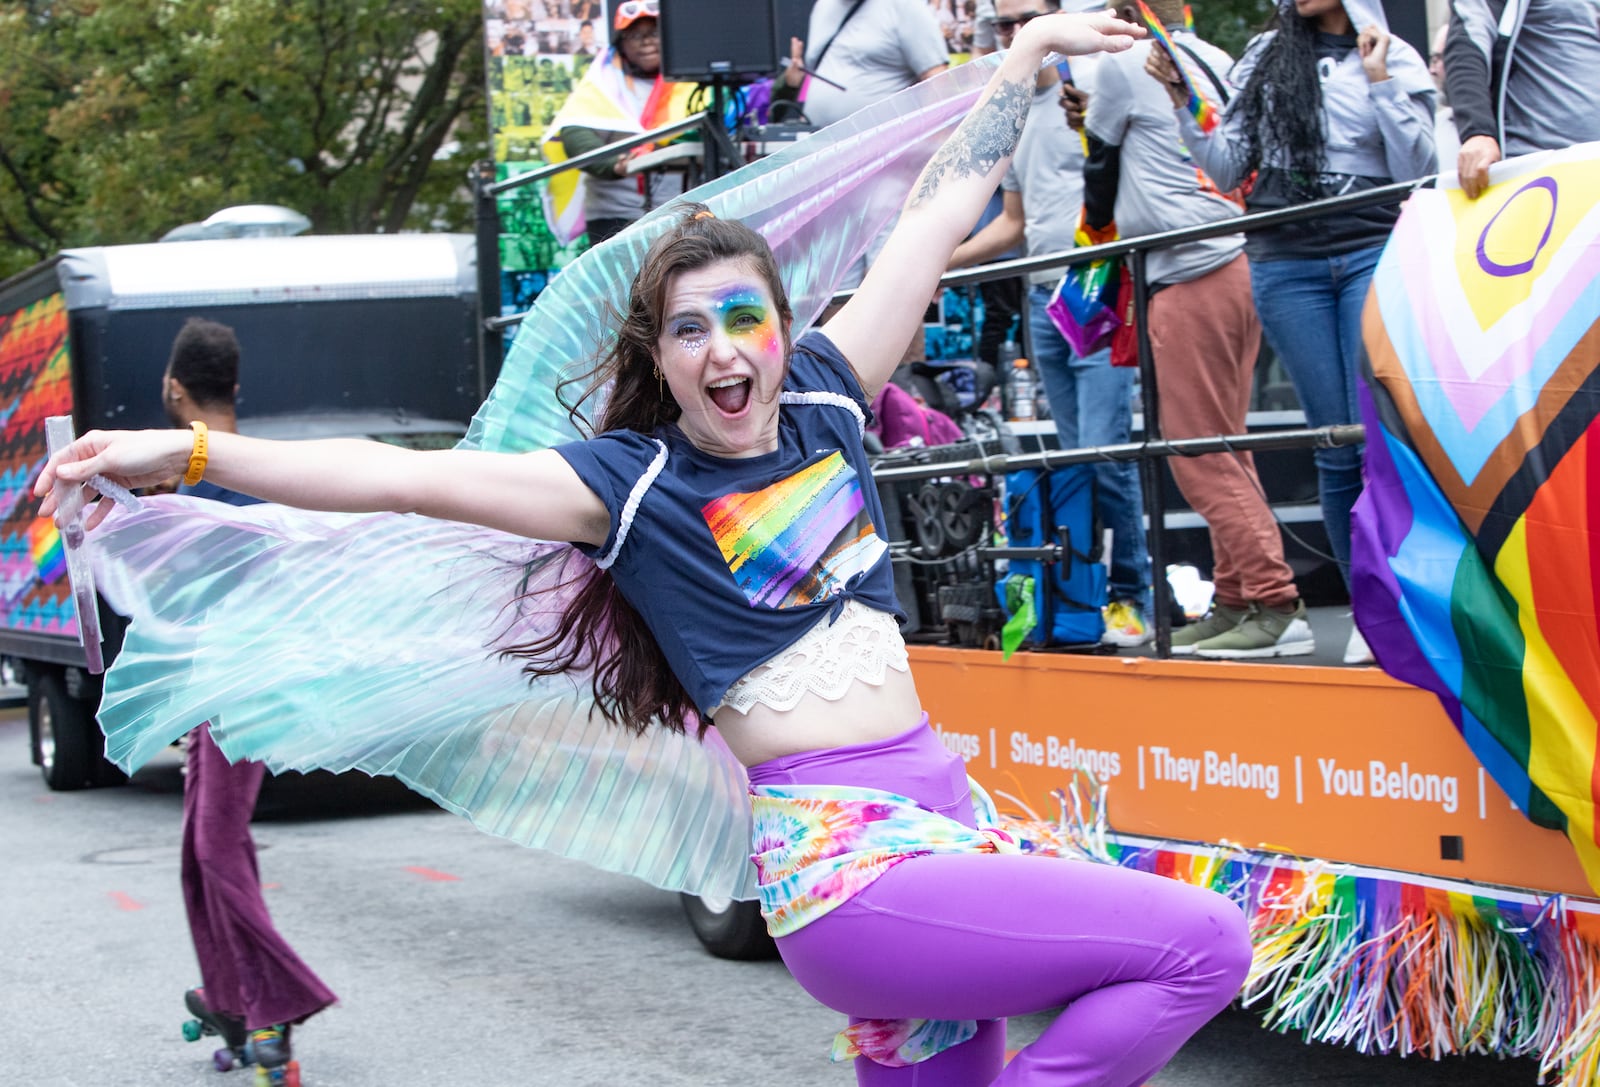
267	1048
255	986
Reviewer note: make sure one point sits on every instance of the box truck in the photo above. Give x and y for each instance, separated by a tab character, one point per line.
370	335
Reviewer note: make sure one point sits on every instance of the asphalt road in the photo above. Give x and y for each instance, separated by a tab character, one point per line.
459	959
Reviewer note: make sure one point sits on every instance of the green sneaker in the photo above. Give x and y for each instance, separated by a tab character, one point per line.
1219	620
1265	632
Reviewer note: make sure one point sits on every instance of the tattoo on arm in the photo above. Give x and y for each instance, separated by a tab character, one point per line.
984	138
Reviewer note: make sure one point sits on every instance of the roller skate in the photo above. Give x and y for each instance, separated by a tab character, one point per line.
268	1049
214	1024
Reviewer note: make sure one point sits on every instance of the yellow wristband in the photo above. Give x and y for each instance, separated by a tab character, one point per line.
197	457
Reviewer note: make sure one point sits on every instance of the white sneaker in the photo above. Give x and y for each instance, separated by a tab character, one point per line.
1356	650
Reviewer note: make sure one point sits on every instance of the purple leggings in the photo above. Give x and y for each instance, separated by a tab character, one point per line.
248	970
1140	962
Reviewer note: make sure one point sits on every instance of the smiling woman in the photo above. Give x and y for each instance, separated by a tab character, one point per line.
724	356
728	570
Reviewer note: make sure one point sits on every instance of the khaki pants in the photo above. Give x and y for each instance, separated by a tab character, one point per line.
1205	337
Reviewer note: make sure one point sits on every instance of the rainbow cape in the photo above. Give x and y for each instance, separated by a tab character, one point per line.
1202	109
601	101
1476	559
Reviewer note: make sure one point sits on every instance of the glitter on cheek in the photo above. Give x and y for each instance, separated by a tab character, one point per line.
694	343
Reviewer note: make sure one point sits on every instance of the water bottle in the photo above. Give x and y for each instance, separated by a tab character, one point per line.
1023	390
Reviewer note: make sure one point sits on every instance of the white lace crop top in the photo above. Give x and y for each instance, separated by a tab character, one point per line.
863	643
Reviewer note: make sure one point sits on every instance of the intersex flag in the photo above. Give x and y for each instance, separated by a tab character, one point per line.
1476	558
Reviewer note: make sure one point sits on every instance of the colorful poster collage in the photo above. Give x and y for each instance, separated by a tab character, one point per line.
537	52
34	384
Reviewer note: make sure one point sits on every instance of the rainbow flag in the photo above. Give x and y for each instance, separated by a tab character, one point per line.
602	101
1201	108
1476	556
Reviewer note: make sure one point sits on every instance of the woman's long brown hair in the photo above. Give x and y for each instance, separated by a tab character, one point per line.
598	629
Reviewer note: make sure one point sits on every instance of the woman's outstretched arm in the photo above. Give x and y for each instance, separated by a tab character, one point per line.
533	494
879	320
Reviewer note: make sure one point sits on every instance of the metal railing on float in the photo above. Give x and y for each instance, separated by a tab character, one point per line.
1135	252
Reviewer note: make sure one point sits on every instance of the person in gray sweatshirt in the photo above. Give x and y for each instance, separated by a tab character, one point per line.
1521	77
1325	102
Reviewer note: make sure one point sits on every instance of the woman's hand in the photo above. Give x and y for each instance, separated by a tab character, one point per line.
1373	45
131	458
1075	35
1159	66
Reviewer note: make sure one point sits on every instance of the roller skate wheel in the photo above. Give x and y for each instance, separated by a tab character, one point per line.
193	1030
291	1074
276	1077
223	1060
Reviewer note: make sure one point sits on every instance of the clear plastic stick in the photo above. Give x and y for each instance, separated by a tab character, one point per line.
69	520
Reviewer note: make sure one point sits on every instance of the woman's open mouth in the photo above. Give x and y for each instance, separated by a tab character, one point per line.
731	394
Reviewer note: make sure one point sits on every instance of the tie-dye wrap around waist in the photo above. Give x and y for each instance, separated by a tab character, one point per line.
818	846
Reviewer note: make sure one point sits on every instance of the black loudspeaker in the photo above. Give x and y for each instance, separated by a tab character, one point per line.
1407	19
702	40
794	21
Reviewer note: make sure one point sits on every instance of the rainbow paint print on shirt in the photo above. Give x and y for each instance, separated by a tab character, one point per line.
799	540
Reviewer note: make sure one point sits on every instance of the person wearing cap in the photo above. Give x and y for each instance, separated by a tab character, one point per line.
1324	103
621	94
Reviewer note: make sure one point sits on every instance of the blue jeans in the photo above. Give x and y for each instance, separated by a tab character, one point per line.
1311	315
1091	403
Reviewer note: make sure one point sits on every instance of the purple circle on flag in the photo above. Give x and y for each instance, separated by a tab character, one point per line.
1506	270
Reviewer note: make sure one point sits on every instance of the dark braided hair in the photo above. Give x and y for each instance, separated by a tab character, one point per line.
1281	105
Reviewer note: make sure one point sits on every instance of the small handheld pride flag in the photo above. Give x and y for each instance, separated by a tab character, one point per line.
1200	107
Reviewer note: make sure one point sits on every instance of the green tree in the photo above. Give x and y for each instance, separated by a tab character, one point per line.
1229	24
120	119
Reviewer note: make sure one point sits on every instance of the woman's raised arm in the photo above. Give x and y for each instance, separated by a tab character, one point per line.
874	326
532	494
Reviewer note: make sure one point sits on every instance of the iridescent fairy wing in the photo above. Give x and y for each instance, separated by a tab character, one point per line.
372	643
818	202
318	641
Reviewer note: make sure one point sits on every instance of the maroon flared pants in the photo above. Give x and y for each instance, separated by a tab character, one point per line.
249	971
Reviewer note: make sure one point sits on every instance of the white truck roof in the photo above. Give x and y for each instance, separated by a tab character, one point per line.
242	271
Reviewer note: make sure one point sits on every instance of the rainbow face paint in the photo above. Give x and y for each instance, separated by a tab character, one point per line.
722	352
743	315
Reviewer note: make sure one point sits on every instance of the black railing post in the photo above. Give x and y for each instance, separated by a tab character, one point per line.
1151	481
487	222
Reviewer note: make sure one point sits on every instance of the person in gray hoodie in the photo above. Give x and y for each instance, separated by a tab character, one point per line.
1324	103
1521	77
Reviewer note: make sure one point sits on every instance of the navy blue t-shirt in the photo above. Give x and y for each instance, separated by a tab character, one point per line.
731	561
206	489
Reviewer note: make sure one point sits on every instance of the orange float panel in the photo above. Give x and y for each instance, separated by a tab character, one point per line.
1341	764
